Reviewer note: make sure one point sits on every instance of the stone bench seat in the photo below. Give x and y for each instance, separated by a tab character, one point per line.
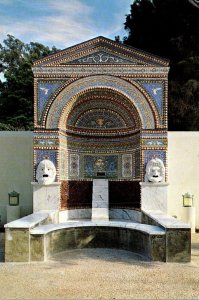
149	229
49	240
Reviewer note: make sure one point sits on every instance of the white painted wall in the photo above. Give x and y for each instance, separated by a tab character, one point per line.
16	169
183	168
16	156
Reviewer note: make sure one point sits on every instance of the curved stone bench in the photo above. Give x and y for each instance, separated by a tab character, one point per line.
48	240
159	237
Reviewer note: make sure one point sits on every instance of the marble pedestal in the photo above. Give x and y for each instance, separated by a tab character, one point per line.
46	197
100	200
154	196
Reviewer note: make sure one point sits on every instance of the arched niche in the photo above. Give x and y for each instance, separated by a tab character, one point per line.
100	111
58	111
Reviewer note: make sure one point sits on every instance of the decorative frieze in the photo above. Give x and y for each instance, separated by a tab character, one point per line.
85	70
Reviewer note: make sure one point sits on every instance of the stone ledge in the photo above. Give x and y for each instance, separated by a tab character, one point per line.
149	229
153	184
30	221
45	185
166	221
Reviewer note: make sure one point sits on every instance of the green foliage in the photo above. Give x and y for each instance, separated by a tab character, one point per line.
170	28
16	93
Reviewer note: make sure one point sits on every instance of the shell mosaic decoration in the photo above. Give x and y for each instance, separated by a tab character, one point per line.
100	109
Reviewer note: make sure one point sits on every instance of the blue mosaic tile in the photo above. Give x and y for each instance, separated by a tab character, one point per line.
97	164
149	135
155	91
45	91
150	154
118	85
51	154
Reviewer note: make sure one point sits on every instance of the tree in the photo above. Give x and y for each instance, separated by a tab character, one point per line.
169	28
16	93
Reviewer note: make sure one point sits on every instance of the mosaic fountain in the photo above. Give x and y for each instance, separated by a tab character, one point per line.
100	157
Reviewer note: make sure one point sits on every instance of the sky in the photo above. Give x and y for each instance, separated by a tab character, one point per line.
62	23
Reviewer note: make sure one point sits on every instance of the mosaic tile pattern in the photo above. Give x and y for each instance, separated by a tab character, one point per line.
100	116
100	166
103	58
102	145
45	90
150	143
61	103
50	154
156	92
127	165
137	162
102	44
63	164
107	105
155	134
87	70
45	134
46	142
150	154
74	165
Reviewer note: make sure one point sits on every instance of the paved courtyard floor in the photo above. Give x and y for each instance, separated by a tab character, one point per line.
101	274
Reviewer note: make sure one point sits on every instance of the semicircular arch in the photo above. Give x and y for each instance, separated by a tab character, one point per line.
64	101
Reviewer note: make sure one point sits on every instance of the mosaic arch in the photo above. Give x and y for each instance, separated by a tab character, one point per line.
61	106
100	111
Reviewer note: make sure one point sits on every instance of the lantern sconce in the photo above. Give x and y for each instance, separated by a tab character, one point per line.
13	198
187	200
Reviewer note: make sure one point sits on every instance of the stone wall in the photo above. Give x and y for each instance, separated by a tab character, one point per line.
183	171
16	156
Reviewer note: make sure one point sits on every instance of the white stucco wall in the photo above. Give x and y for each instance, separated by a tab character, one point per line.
16	156
183	168
16	169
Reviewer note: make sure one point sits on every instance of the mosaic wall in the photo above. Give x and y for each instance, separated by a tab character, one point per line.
127	167
64	158
45	91
74	165
136	163
102	110
154	145
100	126
102	58
124	163
40	155
60	106
155	90
82	156
100	166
